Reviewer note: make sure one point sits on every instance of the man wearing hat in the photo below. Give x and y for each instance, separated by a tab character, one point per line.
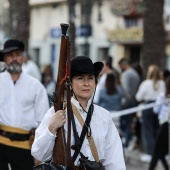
101	127
23	103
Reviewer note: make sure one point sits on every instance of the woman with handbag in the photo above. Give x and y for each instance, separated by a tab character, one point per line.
101	147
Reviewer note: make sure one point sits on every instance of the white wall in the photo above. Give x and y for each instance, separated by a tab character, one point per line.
45	17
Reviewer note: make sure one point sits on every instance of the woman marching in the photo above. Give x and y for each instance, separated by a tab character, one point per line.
101	127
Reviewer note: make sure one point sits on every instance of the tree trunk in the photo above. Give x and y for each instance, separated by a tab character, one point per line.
86	10
19	13
154	34
72	29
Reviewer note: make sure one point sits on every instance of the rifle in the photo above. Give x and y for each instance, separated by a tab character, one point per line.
61	151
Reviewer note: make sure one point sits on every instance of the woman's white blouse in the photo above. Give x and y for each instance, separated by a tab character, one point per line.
104	133
147	92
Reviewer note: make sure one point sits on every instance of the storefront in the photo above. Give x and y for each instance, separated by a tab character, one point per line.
130	40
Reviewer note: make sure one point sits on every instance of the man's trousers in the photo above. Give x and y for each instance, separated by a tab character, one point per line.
17	158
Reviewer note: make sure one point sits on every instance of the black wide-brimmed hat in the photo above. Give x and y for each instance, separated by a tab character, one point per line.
11	45
84	65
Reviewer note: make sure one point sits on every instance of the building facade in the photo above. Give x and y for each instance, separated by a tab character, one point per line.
91	39
105	27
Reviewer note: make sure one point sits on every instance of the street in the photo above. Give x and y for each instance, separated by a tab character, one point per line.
133	162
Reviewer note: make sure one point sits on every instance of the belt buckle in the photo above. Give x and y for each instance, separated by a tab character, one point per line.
3	133
12	137
6	134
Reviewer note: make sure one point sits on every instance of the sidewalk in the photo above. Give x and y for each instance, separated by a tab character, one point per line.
133	162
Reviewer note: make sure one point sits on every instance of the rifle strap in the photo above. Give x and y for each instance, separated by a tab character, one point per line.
68	122
77	144
69	110
90	139
83	133
68	100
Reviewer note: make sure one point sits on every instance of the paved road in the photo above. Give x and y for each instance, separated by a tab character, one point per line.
133	162
141	167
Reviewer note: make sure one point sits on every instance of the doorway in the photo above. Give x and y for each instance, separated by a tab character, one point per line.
133	52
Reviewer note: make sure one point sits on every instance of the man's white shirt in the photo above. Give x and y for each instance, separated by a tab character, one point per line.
22	104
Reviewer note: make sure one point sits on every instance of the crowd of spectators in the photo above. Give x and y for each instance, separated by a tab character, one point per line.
129	90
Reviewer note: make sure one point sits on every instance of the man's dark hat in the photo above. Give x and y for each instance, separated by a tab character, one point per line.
84	65
11	45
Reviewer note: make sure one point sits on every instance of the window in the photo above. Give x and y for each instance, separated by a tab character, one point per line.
131	22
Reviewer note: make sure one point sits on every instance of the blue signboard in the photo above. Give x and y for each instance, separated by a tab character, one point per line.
55	32
84	30
81	31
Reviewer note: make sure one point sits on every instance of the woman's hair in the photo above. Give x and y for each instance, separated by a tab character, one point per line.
165	74
110	84
167	85
108	62
47	74
154	74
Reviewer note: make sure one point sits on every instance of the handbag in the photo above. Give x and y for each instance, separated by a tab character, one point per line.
86	164
49	166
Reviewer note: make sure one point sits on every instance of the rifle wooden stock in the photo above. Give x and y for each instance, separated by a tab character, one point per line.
59	151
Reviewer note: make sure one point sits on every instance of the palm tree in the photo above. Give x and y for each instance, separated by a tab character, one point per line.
19	15
154	34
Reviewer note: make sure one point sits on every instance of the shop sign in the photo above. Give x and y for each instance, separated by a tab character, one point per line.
126	7
126	35
43	2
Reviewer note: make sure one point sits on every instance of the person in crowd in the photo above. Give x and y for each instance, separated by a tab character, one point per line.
137	118
164	74
130	82
110	97
161	147
106	138
137	67
148	92
30	67
23	103
108	68
48	81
